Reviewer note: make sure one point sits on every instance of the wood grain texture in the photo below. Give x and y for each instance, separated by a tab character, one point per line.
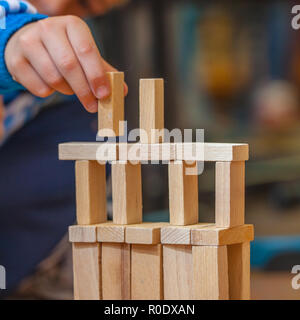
183	195
230	193
179	234
90	192
116	263
178	272
82	234
144	233
127	193
212	151
146	272
239	271
212	235
111	110
210	273
87	271
151	109
146	152
110	232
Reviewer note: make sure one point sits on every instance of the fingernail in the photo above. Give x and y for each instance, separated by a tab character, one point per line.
103	92
93	107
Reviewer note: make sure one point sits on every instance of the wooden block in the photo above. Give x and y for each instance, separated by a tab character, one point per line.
212	235
146	272
115	271
101	151
230	193
212	151
87	271
179	234
110	232
146	152
111	110
82	234
210	273
178	272
239	271
151	109
144	233
90	192
127	193
183	195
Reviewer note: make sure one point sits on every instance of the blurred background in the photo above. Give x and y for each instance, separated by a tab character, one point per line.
233	69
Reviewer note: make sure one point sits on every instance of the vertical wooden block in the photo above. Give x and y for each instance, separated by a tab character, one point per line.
239	271
87	271
210	273
146	272
183	195
127	193
151	109
178	272
115	271
111	110
90	192
230	193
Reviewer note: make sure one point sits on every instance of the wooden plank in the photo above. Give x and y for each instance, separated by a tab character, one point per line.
82	234
87	151
127	193
146	272
178	272
110	232
179	234
212	151
144	233
87	271
151	110
116	271
210	273
146	152
183	195
90	192
230	193
111	110
212	235
239	271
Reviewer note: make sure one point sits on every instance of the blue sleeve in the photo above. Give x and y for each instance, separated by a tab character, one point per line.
13	22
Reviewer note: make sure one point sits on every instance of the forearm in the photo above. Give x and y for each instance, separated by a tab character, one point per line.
16	18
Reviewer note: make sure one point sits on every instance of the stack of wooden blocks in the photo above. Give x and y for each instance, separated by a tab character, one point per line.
183	259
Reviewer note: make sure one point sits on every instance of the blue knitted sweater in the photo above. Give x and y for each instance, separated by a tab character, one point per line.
13	15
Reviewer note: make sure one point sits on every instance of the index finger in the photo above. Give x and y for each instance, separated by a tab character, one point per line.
89	57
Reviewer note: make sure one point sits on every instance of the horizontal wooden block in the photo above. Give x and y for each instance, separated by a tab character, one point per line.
87	151
212	235
212	151
82	234
144	233
110	232
179	234
146	152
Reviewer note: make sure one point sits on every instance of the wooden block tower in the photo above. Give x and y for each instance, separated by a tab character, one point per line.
183	259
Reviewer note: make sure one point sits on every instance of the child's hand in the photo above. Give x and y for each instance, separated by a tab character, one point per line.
59	54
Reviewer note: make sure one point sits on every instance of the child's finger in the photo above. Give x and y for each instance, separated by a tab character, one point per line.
58	46
89	57
23	73
42	63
